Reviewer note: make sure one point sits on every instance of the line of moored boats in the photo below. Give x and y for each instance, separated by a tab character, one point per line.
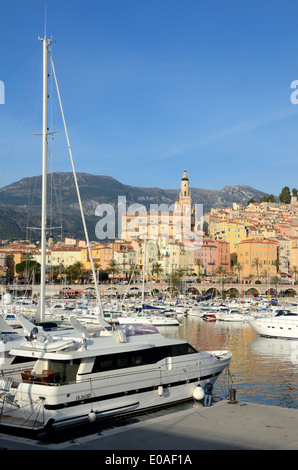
88	361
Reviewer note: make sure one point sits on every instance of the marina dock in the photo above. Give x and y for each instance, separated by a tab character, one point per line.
223	426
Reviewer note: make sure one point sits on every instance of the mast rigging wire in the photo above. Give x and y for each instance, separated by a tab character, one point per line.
78	191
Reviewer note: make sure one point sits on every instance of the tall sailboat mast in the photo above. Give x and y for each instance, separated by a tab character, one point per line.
46	43
45	133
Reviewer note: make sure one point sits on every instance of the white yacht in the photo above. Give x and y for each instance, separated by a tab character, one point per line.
282	325
76	379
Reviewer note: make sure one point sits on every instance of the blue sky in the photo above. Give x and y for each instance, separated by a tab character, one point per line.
152	87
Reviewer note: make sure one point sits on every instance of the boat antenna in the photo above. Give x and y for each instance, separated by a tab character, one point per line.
45	18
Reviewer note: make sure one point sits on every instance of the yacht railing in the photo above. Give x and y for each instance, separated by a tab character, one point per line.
13	374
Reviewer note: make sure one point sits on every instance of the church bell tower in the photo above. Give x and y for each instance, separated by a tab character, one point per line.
185	197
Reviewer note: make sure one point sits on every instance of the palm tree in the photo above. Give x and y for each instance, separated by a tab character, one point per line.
134	270
56	271
199	263
180	272
113	267
238	267
276	263
175	278
156	269
295	271
222	272
265	274
257	263
74	271
275	280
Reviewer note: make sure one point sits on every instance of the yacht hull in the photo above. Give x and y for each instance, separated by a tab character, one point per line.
275	327
38	407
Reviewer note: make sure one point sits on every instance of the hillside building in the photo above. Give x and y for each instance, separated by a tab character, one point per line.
174	224
266	251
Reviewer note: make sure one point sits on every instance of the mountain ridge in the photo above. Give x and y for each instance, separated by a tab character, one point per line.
20	201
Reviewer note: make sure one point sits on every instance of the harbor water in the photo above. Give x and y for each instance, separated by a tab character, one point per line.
263	370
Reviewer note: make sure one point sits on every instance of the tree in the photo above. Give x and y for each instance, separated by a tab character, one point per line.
180	273
295	271
250	201
113	267
156	269
134	270
26	268
270	198
199	264
175	278
74	271
221	271
257	263
275	280
57	271
285	195
238	267
276	263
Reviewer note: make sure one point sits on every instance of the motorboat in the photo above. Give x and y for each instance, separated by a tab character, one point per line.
92	376
196	311
232	315
214	313
211	317
151	315
278	326
149	319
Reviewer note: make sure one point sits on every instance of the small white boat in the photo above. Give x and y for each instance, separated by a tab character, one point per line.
232	315
155	320
196	312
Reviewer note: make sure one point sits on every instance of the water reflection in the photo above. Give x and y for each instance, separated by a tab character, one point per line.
262	369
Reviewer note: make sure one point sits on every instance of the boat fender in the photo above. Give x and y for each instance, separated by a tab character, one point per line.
160	390
92	416
198	393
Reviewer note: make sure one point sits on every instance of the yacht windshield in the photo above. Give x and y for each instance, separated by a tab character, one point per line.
138	329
